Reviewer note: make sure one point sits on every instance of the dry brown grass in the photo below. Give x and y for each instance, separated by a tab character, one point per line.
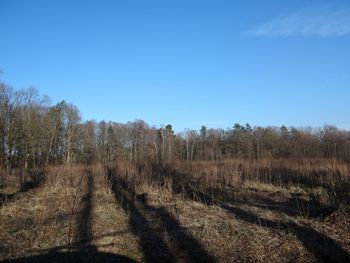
233	211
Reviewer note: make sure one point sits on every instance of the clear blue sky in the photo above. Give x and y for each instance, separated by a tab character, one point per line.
184	62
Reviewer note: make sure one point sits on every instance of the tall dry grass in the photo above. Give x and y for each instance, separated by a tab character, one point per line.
215	181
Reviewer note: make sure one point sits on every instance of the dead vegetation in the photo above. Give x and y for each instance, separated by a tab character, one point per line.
229	211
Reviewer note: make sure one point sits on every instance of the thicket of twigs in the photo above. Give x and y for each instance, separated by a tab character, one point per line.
325	181
56	213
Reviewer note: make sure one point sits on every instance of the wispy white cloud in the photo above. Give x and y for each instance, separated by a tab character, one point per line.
309	22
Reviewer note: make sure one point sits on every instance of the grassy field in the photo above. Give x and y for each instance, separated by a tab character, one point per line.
230	211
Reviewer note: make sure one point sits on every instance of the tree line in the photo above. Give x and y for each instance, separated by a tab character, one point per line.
34	133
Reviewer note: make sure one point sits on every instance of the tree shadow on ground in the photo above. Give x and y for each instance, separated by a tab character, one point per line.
184	184
152	244
283	176
294	206
83	237
324	248
33	179
81	250
183	246
74	257
195	187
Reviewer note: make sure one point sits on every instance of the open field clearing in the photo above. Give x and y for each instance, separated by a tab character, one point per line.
175	131
180	212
